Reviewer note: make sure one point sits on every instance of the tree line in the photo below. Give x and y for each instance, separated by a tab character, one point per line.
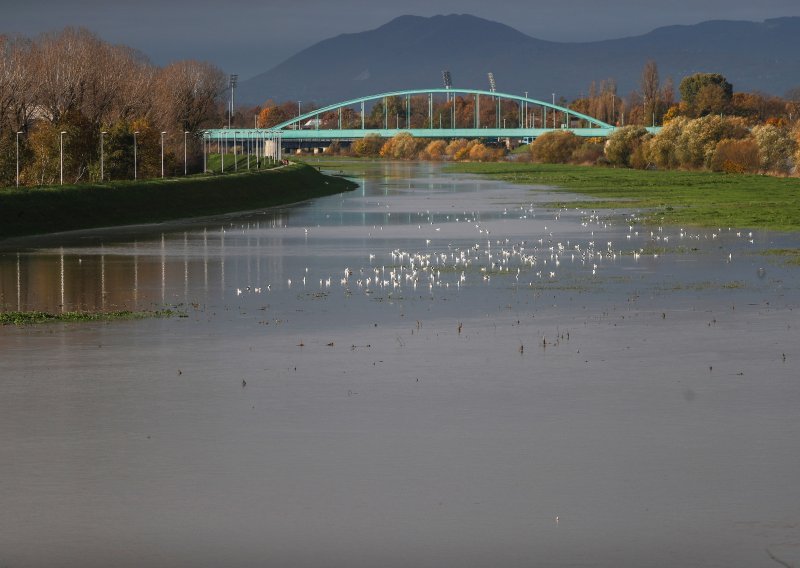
73	103
65	93
710	127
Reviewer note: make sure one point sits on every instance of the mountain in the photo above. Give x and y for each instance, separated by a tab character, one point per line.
411	52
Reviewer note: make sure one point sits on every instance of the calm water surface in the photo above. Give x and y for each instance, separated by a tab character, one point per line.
434	370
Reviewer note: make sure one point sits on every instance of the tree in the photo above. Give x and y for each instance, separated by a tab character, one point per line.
434	150
554	147
660	149
697	141
273	114
370	145
402	146
705	93
775	148
623	144
651	91
187	94
736	156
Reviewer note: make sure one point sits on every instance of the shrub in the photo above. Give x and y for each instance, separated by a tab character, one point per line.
554	147
698	139
622	144
775	148
434	150
736	156
368	146
402	146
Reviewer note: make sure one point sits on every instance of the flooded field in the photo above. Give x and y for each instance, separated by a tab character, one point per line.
433	370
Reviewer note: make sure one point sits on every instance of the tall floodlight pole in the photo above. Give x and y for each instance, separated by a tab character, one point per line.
554	110
135	173
162	155
613	100
102	164
205	160
61	156
185	153
525	104
18	133
233	79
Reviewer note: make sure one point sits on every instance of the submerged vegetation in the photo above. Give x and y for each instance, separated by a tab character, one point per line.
35	317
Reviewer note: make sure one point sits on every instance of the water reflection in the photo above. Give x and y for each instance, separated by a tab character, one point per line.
407	226
430	359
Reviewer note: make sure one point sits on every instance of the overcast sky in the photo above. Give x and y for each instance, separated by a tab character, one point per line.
248	37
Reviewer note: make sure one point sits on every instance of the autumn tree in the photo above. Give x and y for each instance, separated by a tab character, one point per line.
369	146
698	140
623	145
554	147
272	114
651	92
434	150
775	148
736	156
402	146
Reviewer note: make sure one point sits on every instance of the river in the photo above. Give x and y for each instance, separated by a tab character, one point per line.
433	370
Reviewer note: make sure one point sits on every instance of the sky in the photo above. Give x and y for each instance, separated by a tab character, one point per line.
249	37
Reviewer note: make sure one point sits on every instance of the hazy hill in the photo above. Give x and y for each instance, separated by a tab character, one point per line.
412	51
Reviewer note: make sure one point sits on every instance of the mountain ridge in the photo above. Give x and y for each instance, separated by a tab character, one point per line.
411	51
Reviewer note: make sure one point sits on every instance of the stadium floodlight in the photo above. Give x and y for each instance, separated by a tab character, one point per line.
492	85
448	81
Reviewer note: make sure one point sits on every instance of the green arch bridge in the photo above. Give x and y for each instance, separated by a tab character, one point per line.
348	120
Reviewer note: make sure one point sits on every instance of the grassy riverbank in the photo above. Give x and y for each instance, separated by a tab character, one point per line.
672	197
63	208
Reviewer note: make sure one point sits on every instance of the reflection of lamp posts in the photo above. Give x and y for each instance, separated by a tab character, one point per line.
162	155
135	132
18	133
185	154
102	168
61	156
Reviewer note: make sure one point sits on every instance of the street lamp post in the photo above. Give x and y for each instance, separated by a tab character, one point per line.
61	155
135	173
554	110
185	153
205	160
18	133
102	165
162	155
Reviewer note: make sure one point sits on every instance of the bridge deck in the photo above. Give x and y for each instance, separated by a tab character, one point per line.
354	134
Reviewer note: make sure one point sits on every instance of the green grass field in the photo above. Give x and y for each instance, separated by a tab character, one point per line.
670	197
29	211
237	164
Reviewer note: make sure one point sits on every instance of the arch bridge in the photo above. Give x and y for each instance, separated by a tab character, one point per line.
427	113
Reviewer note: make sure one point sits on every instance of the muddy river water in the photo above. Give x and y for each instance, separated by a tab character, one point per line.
434	370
